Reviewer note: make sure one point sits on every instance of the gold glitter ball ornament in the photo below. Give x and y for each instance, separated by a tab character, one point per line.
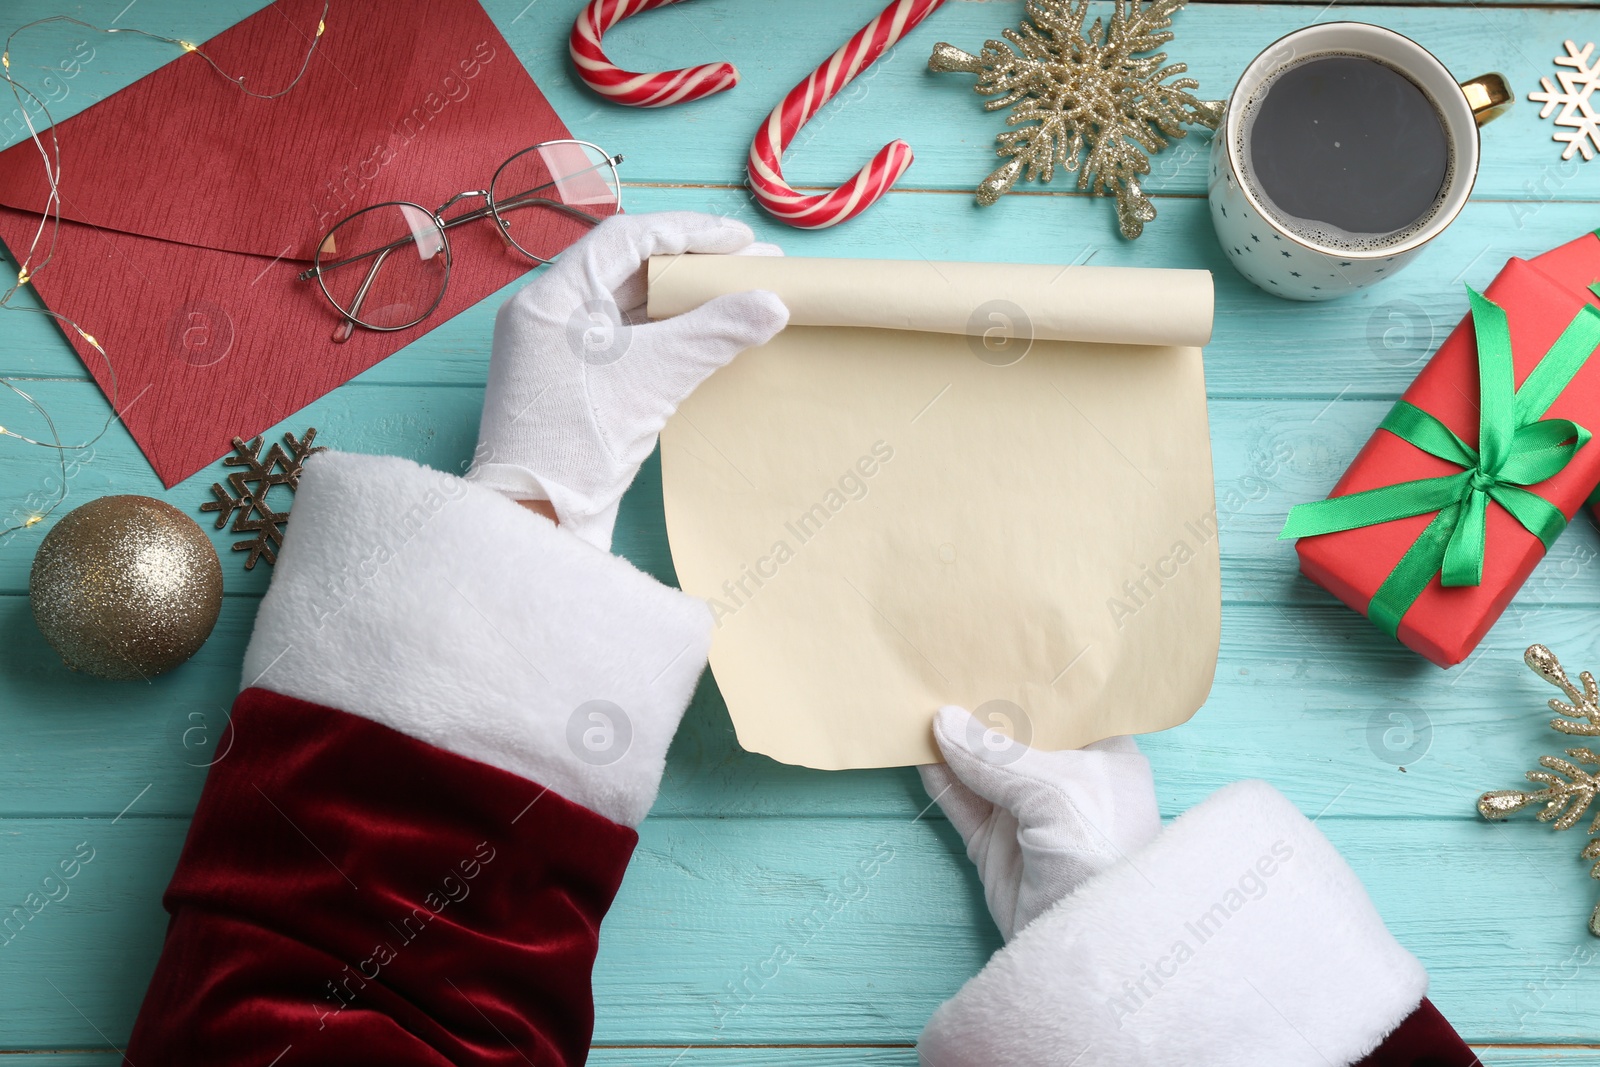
126	587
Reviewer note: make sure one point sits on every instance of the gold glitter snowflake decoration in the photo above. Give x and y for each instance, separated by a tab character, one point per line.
1098	104
1565	789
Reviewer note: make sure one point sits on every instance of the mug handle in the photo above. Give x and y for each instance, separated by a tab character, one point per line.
1489	97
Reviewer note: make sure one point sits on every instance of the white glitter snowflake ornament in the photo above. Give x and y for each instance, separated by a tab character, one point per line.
1098	104
1576	99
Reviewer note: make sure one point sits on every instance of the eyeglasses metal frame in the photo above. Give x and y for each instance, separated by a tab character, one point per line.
490	210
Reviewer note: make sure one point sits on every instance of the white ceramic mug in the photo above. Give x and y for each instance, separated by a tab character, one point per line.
1288	264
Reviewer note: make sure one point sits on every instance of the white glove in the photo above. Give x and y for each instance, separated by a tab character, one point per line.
578	393
1036	823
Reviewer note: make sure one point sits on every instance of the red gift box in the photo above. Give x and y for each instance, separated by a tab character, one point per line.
1540	297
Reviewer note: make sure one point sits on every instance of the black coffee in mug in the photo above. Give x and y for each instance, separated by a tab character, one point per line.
1346	151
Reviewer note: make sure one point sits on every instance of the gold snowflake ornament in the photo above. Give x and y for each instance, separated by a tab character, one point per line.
1098	104
251	488
1565	789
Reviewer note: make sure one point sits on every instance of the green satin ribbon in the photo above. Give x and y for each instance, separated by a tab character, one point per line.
1517	447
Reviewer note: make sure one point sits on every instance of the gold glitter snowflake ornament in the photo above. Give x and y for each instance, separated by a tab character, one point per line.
1105	93
1565	790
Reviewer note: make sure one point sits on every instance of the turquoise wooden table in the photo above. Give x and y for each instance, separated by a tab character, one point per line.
743	856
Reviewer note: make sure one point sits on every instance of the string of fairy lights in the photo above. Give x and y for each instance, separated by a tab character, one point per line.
41	250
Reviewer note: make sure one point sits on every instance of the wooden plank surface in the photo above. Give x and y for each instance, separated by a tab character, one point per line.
707	900
1311	698
1389	750
1262	346
855	1056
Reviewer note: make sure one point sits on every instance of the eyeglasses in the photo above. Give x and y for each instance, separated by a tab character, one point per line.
386	267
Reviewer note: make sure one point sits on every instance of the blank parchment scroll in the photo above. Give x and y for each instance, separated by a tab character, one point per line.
949	483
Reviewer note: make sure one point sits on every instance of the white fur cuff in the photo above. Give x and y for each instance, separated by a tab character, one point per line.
1238	936
445	611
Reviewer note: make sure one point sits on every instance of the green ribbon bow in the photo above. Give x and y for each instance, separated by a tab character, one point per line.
1517	447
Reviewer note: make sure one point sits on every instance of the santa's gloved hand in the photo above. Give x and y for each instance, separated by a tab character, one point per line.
580	385
1035	823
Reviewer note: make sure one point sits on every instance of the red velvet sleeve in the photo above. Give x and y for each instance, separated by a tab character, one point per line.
349	895
1424	1039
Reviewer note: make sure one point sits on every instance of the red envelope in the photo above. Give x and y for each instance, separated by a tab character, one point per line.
188	207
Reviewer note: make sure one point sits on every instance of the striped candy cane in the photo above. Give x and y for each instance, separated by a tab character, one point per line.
626	87
816	211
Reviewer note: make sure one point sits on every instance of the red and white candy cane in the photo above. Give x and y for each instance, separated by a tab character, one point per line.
813	212
626	87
